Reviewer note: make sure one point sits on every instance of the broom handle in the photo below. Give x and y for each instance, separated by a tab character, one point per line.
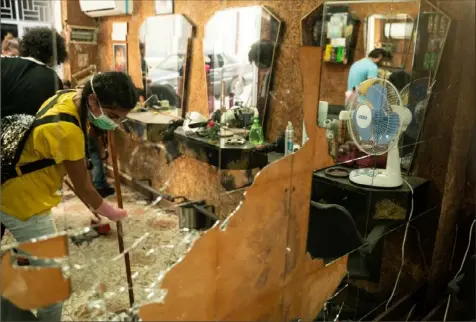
117	182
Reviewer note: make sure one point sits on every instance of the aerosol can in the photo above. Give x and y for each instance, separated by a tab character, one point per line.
289	135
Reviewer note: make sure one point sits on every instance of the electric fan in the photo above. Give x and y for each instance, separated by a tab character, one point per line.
376	120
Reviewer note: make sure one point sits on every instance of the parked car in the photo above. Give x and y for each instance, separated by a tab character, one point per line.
168	72
223	67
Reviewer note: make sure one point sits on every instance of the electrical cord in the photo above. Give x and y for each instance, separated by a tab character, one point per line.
403	248
461	267
422	252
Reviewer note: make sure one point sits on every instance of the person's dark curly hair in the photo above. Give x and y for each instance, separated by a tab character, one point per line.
261	53
44	44
113	89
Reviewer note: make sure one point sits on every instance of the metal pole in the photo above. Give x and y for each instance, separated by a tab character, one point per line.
117	182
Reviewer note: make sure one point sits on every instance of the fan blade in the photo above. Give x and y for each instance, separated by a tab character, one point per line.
385	127
377	95
364	133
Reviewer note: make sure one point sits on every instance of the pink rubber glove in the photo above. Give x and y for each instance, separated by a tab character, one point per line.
110	212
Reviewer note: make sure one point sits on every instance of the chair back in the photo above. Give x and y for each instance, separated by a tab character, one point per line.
332	231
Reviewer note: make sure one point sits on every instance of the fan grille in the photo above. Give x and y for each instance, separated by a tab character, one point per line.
373	124
414	97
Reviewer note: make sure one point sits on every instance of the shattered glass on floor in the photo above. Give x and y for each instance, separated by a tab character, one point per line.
99	284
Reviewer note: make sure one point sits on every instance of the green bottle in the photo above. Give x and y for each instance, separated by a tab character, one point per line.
427	61
256	132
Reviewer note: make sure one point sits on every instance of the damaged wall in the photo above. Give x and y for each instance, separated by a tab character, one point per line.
190	177
285	102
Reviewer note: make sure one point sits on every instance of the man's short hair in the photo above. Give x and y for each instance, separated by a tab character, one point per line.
380	53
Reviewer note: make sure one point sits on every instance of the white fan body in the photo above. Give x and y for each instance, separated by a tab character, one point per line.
391	176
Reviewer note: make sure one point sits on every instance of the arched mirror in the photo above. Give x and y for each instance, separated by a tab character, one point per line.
165	49
240	47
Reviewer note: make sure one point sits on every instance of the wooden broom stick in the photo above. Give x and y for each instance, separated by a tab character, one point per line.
117	182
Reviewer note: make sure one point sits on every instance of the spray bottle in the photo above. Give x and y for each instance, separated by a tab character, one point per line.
289	135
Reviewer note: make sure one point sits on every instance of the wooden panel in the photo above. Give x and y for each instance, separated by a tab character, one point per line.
72	15
461	90
54	247
255	265
32	287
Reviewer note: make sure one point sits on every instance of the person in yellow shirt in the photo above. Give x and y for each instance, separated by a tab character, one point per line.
27	199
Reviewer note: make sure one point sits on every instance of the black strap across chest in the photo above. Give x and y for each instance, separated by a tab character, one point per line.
61	117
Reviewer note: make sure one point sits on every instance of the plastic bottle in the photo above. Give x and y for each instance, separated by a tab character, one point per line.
327	53
339	56
289	136
256	132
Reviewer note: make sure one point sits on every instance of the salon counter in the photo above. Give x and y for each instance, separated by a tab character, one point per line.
150	125
220	154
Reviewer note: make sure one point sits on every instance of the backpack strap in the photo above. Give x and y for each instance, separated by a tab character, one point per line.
43	163
53	102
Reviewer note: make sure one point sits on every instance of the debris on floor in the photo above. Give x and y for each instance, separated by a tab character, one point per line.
95	256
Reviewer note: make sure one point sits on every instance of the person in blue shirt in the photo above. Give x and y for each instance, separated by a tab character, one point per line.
365	68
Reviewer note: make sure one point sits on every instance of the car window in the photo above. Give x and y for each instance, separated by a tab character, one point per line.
173	62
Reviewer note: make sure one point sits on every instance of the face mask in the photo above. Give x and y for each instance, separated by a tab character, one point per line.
102	121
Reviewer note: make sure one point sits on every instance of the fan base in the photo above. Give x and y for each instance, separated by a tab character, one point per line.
376	178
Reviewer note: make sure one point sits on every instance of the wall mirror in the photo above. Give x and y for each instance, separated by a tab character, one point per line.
240	47
392	33
413	34
165	49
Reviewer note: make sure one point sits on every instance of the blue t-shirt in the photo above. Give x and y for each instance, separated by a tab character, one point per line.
361	71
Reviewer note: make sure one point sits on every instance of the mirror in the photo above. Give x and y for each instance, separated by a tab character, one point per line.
392	33
240	46
165	49
432	32
352	35
372	133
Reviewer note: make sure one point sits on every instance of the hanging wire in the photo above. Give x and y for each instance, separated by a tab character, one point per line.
461	267
403	247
